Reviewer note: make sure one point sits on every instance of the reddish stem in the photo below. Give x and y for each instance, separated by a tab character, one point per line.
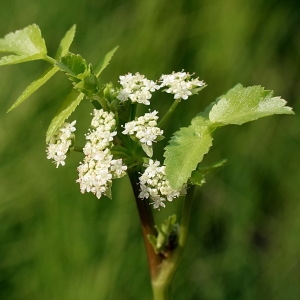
147	223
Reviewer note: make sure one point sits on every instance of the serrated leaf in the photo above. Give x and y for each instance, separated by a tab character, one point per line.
184	152
63	113
105	61
81	75
73	65
35	85
66	42
240	105
42	79
26	44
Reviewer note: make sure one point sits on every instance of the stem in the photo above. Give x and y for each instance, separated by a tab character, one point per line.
133	111
50	60
96	104
147	222
168	113
161	283
96	100
77	149
162	268
185	218
160	292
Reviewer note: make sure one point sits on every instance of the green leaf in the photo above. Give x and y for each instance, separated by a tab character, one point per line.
240	105
63	113
42	79
26	44
88	85
74	65
66	42
185	151
80	74
167	236
197	178
35	85
105	61
198	175
147	149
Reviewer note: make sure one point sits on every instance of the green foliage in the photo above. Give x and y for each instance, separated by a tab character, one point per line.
106	61
65	110
65	43
198	175
243	242
34	86
43	78
80	73
185	150
26	45
239	105
167	236
85	82
75	66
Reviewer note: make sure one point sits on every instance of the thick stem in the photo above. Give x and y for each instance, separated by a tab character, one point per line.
161	268
147	223
160	292
161	283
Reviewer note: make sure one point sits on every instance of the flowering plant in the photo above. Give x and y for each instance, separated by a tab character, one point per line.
120	142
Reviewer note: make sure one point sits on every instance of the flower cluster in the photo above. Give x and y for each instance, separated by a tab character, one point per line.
98	167
154	185
60	143
144	128
137	88
181	85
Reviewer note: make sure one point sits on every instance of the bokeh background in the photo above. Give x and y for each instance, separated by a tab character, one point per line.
244	241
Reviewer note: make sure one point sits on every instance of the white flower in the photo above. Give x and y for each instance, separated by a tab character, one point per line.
136	88
60	143
154	185
180	84
96	173
98	169
144	128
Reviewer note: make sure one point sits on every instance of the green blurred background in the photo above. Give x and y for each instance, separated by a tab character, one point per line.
244	241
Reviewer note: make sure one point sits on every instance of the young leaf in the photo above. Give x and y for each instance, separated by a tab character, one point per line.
240	105
184	152
167	236
105	61
26	44
36	84
63	113
74	65
197	178
80	73
66	42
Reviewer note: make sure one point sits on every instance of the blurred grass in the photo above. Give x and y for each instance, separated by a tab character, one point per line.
244	242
